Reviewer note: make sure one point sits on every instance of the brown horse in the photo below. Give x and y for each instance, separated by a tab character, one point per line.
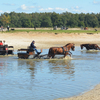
90	46
65	50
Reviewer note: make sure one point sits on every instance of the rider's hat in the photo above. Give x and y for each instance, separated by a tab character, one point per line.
33	41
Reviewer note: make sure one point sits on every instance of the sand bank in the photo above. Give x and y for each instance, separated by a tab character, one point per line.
46	40
93	94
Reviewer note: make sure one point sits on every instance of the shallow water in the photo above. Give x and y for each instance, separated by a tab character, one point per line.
44	79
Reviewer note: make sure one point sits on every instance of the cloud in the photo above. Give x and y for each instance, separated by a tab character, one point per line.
26	8
75	9
8	4
58	9
1	11
46	9
96	2
7	11
23	7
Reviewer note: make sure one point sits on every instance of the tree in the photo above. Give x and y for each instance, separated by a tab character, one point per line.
46	22
81	23
91	20
72	22
55	19
26	22
50	19
5	20
95	22
64	20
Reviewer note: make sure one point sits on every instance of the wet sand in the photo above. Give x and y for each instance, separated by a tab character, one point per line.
47	40
93	94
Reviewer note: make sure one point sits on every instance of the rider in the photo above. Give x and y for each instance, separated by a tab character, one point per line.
34	47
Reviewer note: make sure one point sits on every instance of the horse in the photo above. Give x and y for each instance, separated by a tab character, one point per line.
65	50
90	46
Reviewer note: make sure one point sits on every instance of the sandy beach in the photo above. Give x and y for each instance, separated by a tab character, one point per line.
93	94
47	40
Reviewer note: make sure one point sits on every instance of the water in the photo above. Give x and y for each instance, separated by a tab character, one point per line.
28	79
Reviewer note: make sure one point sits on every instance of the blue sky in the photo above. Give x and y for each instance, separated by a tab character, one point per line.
58	6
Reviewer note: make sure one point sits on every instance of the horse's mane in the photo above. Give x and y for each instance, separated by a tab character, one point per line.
69	44
83	44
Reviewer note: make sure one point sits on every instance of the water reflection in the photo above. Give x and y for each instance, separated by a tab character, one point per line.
26	63
3	68
62	67
55	66
30	65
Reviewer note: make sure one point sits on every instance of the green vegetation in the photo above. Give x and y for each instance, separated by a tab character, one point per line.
32	20
52	31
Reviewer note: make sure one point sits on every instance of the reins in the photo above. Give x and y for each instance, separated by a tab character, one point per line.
64	50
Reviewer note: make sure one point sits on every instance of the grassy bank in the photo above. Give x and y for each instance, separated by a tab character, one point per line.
90	31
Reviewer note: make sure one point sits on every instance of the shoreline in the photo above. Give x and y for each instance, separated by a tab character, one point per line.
92	94
46	40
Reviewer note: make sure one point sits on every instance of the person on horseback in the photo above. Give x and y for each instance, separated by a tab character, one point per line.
34	47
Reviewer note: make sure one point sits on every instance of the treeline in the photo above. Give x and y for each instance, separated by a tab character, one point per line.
50	19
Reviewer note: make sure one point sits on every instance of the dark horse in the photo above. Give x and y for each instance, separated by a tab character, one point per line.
90	46
65	50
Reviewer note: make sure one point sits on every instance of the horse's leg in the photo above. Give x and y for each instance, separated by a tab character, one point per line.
96	48
53	55
68	53
49	56
64	55
87	48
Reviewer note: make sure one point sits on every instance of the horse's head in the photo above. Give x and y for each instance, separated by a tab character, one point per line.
73	47
81	46
96	47
70	46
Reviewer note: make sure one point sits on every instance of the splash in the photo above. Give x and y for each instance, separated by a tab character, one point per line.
89	51
68	57
93	50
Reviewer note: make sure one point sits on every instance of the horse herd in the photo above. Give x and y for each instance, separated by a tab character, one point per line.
65	50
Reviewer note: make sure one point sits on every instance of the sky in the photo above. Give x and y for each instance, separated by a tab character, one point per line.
58	6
